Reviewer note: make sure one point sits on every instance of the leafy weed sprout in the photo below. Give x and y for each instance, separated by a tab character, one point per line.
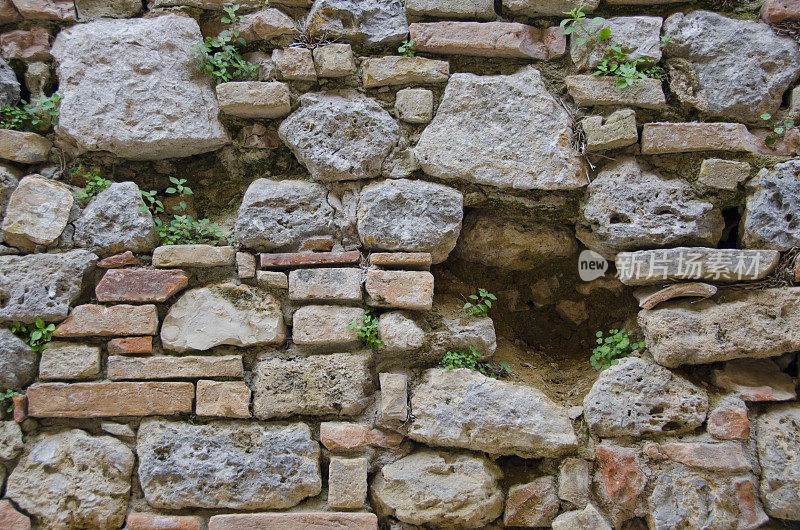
30	116
95	183
220	57
6	396
469	358
611	349
779	127
182	227
36	335
406	48
368	329
481	303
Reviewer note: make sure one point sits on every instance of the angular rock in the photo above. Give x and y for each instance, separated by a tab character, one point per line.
240	465
645	267
729	68
273	279
723	174
532	504
23	147
342	284
401	289
737	324
230	399
636	397
10	440
254	99
347	482
140	285
238	315
729	421
726	456
93	9
46	9
67	360
776	11
397	70
770	216
515	110
340	135
326	326
264	24
778	442
755	380
394	397
130	346
104	321
42	285
294	64
26	45
151	521
13	520
9	86
622	477
628	207
73	480
373	22
587	519
515	243
349	437
414	105
317	385
492	416
17	361
294	520
480	9
168	367
412	216
617	130
463	332
245	265
660	138
193	256
639	37
37	212
155	105
574	481
334	60
399	332
590	90
488	39
118	261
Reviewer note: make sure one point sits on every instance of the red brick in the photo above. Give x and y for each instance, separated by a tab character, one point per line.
308	259
90	319
131	346
294	521
140	285
20	407
152	521
401	260
33	45
622	477
119	260
97	400
749	509
11	519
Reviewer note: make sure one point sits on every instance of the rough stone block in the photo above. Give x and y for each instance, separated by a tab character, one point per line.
532	504
140	285
340	436
399	332
621	476
397	70
574	481
230	399
590	90
615	131
326	326
254	99
725	456
295	521
32	45
245	265
11	519
273	279
67	360
118	261
414	105
152	521
347	482
294	64
401	260
334	60
130	346
23	147
37	212
729	421
723	174
778	446
660	138
394	397
342	284
193	256
755	380
167	367
122	319
401	289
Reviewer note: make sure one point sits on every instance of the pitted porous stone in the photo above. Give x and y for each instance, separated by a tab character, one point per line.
131	87
512	110
374	22
771	215
399	332
340	135
227	464
778	440
462	408
636	397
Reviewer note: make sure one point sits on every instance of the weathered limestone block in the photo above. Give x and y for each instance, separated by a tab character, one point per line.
778	441
755	380
492	416
401	260
168	367
94	9
37	212
347	482
514	110
587	519
750	324
537	8
115	221
326	326
245	265
45	9
340	135
227	464
10	440
645	267
636	397
67	360
728	67
254	99
342	284
193	256
463	332
152	521
131	87
488	39
140	285
23	147
42	285
414	105
334	60
373	22
229	399
294	64
660	138
294	520
17	361
274	279
725	456
397	70
264	24
401	289
26	45
729	421
72	480
770	215
590	90
628	207
238	315
532	504
318	385
411	216
471	9
723	174
639	37
514	243
399	332
394	397
574	481
439	489
617	130
108	321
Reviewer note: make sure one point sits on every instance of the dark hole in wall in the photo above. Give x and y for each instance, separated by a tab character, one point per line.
730	234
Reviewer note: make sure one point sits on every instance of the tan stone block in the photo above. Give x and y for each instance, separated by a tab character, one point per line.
659	138
723	174
414	105
295	521
394	397
402	289
37	211
335	283
334	60
274	279
340	436
193	256
168	367
245	265
589	90
122	319
229	399
254	99
615	131
347	482
533	504
398	70
326	325
152	521
470	9
401	260
295	64
67	360
24	147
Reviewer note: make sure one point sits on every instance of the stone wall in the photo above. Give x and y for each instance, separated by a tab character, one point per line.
225	385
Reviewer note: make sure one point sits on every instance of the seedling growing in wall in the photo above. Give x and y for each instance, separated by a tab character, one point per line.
31	116
469	358
779	127
182	227
611	349
406	49
95	183
481	303
220	56
368	329
36	336
7	397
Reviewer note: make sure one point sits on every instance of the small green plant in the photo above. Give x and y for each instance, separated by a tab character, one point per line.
406	49
779	127
611	349
95	183
36	335
368	329
481	303
181	227
220	56
6	397
469	358
30	116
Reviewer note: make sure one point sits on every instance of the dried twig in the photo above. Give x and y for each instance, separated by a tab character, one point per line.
578	137
783	276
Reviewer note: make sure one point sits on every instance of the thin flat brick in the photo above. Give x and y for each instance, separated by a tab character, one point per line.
309	259
152	521
90	319
130	346
401	260
193	256
140	285
119	260
227	399
169	367
295	521
659	138
105	399
588	90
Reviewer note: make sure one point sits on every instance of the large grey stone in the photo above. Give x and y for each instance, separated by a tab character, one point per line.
639	37
340	135
736	324
637	397
278	216
9	85
17	361
317	385
227	464
493	116
509	242
131	87
439	489
772	212
37	212
73	480
410	216
239	315
778	441
374	22
728	67
115	221
489	415
628	207
42	285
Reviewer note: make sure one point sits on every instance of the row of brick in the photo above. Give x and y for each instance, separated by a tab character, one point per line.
248	521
